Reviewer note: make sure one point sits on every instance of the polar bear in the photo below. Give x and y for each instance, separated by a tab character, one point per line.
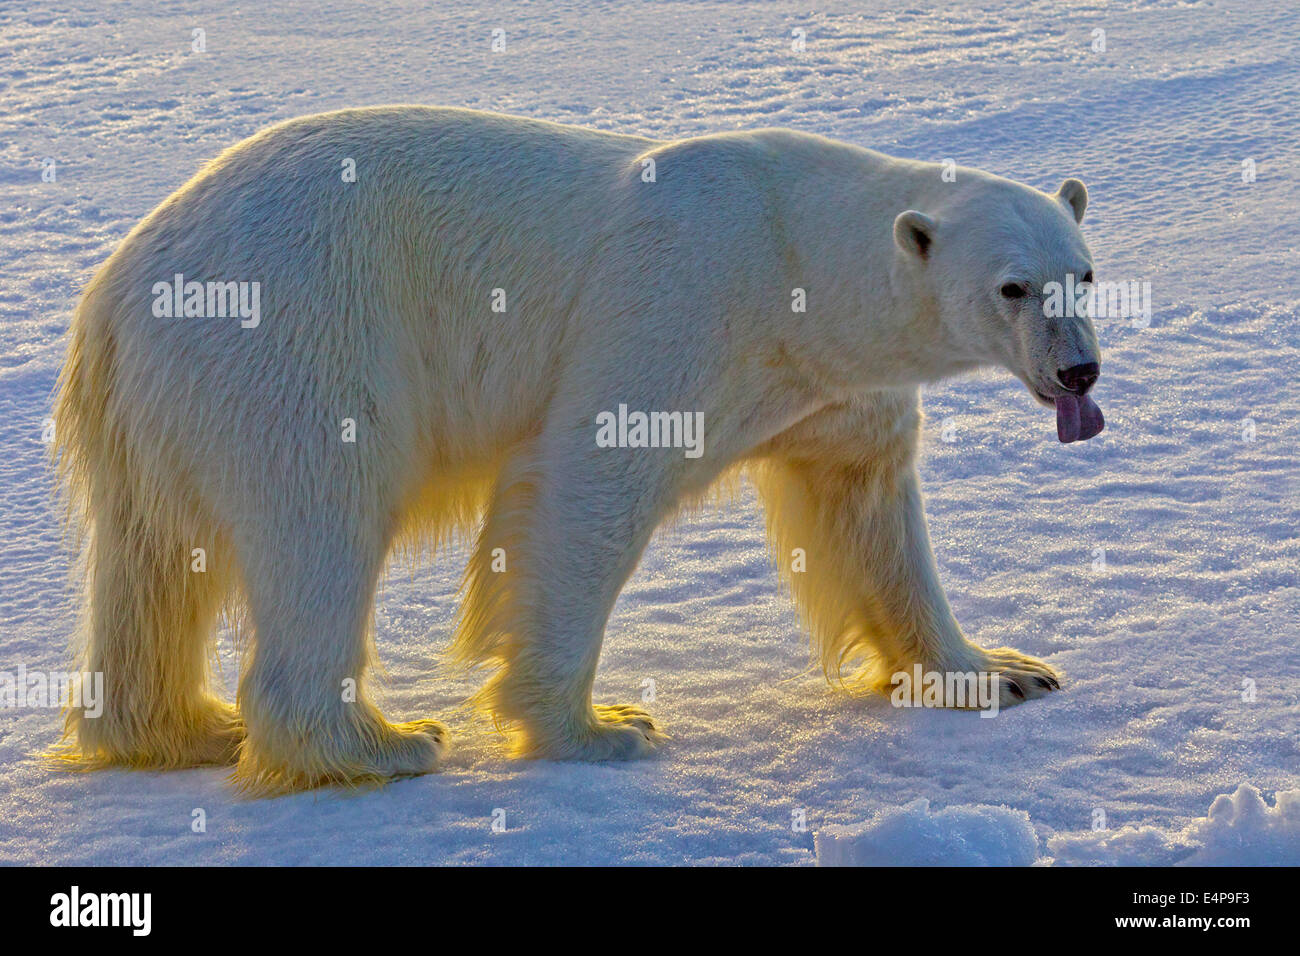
373	327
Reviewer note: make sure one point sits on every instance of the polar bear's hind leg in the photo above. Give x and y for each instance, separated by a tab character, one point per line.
303	694
149	623
149	615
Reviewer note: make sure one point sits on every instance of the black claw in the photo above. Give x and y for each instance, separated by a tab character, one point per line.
1015	689
1049	683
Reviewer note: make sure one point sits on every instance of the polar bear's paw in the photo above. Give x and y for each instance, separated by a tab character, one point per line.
414	747
971	678
620	732
217	735
615	732
199	733
381	753
1020	677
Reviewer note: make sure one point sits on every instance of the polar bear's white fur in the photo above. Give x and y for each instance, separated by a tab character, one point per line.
661	286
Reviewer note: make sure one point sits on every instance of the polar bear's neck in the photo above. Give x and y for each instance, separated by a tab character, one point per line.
876	324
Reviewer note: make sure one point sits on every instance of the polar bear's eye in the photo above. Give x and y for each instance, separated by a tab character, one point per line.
1013	290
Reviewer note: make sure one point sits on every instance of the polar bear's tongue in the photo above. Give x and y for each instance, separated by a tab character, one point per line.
1077	419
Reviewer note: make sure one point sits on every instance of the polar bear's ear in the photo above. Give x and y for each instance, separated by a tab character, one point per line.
914	233
1075	195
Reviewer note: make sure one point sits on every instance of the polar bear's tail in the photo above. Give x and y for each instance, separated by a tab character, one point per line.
148	608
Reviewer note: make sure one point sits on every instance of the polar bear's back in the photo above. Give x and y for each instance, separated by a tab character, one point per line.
434	189
376	295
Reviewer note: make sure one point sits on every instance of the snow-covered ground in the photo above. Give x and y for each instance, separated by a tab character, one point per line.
1156	564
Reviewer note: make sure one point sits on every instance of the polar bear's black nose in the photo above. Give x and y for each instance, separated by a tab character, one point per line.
1080	378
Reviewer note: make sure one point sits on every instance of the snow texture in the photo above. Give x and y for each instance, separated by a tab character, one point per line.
1240	830
915	835
1156	564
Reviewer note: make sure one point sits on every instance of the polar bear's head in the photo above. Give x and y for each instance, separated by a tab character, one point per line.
1006	269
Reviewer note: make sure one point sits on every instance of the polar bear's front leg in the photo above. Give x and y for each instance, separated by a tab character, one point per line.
845	491
563	533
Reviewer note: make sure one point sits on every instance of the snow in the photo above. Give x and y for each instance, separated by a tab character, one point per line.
1156	565
914	835
1240	830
